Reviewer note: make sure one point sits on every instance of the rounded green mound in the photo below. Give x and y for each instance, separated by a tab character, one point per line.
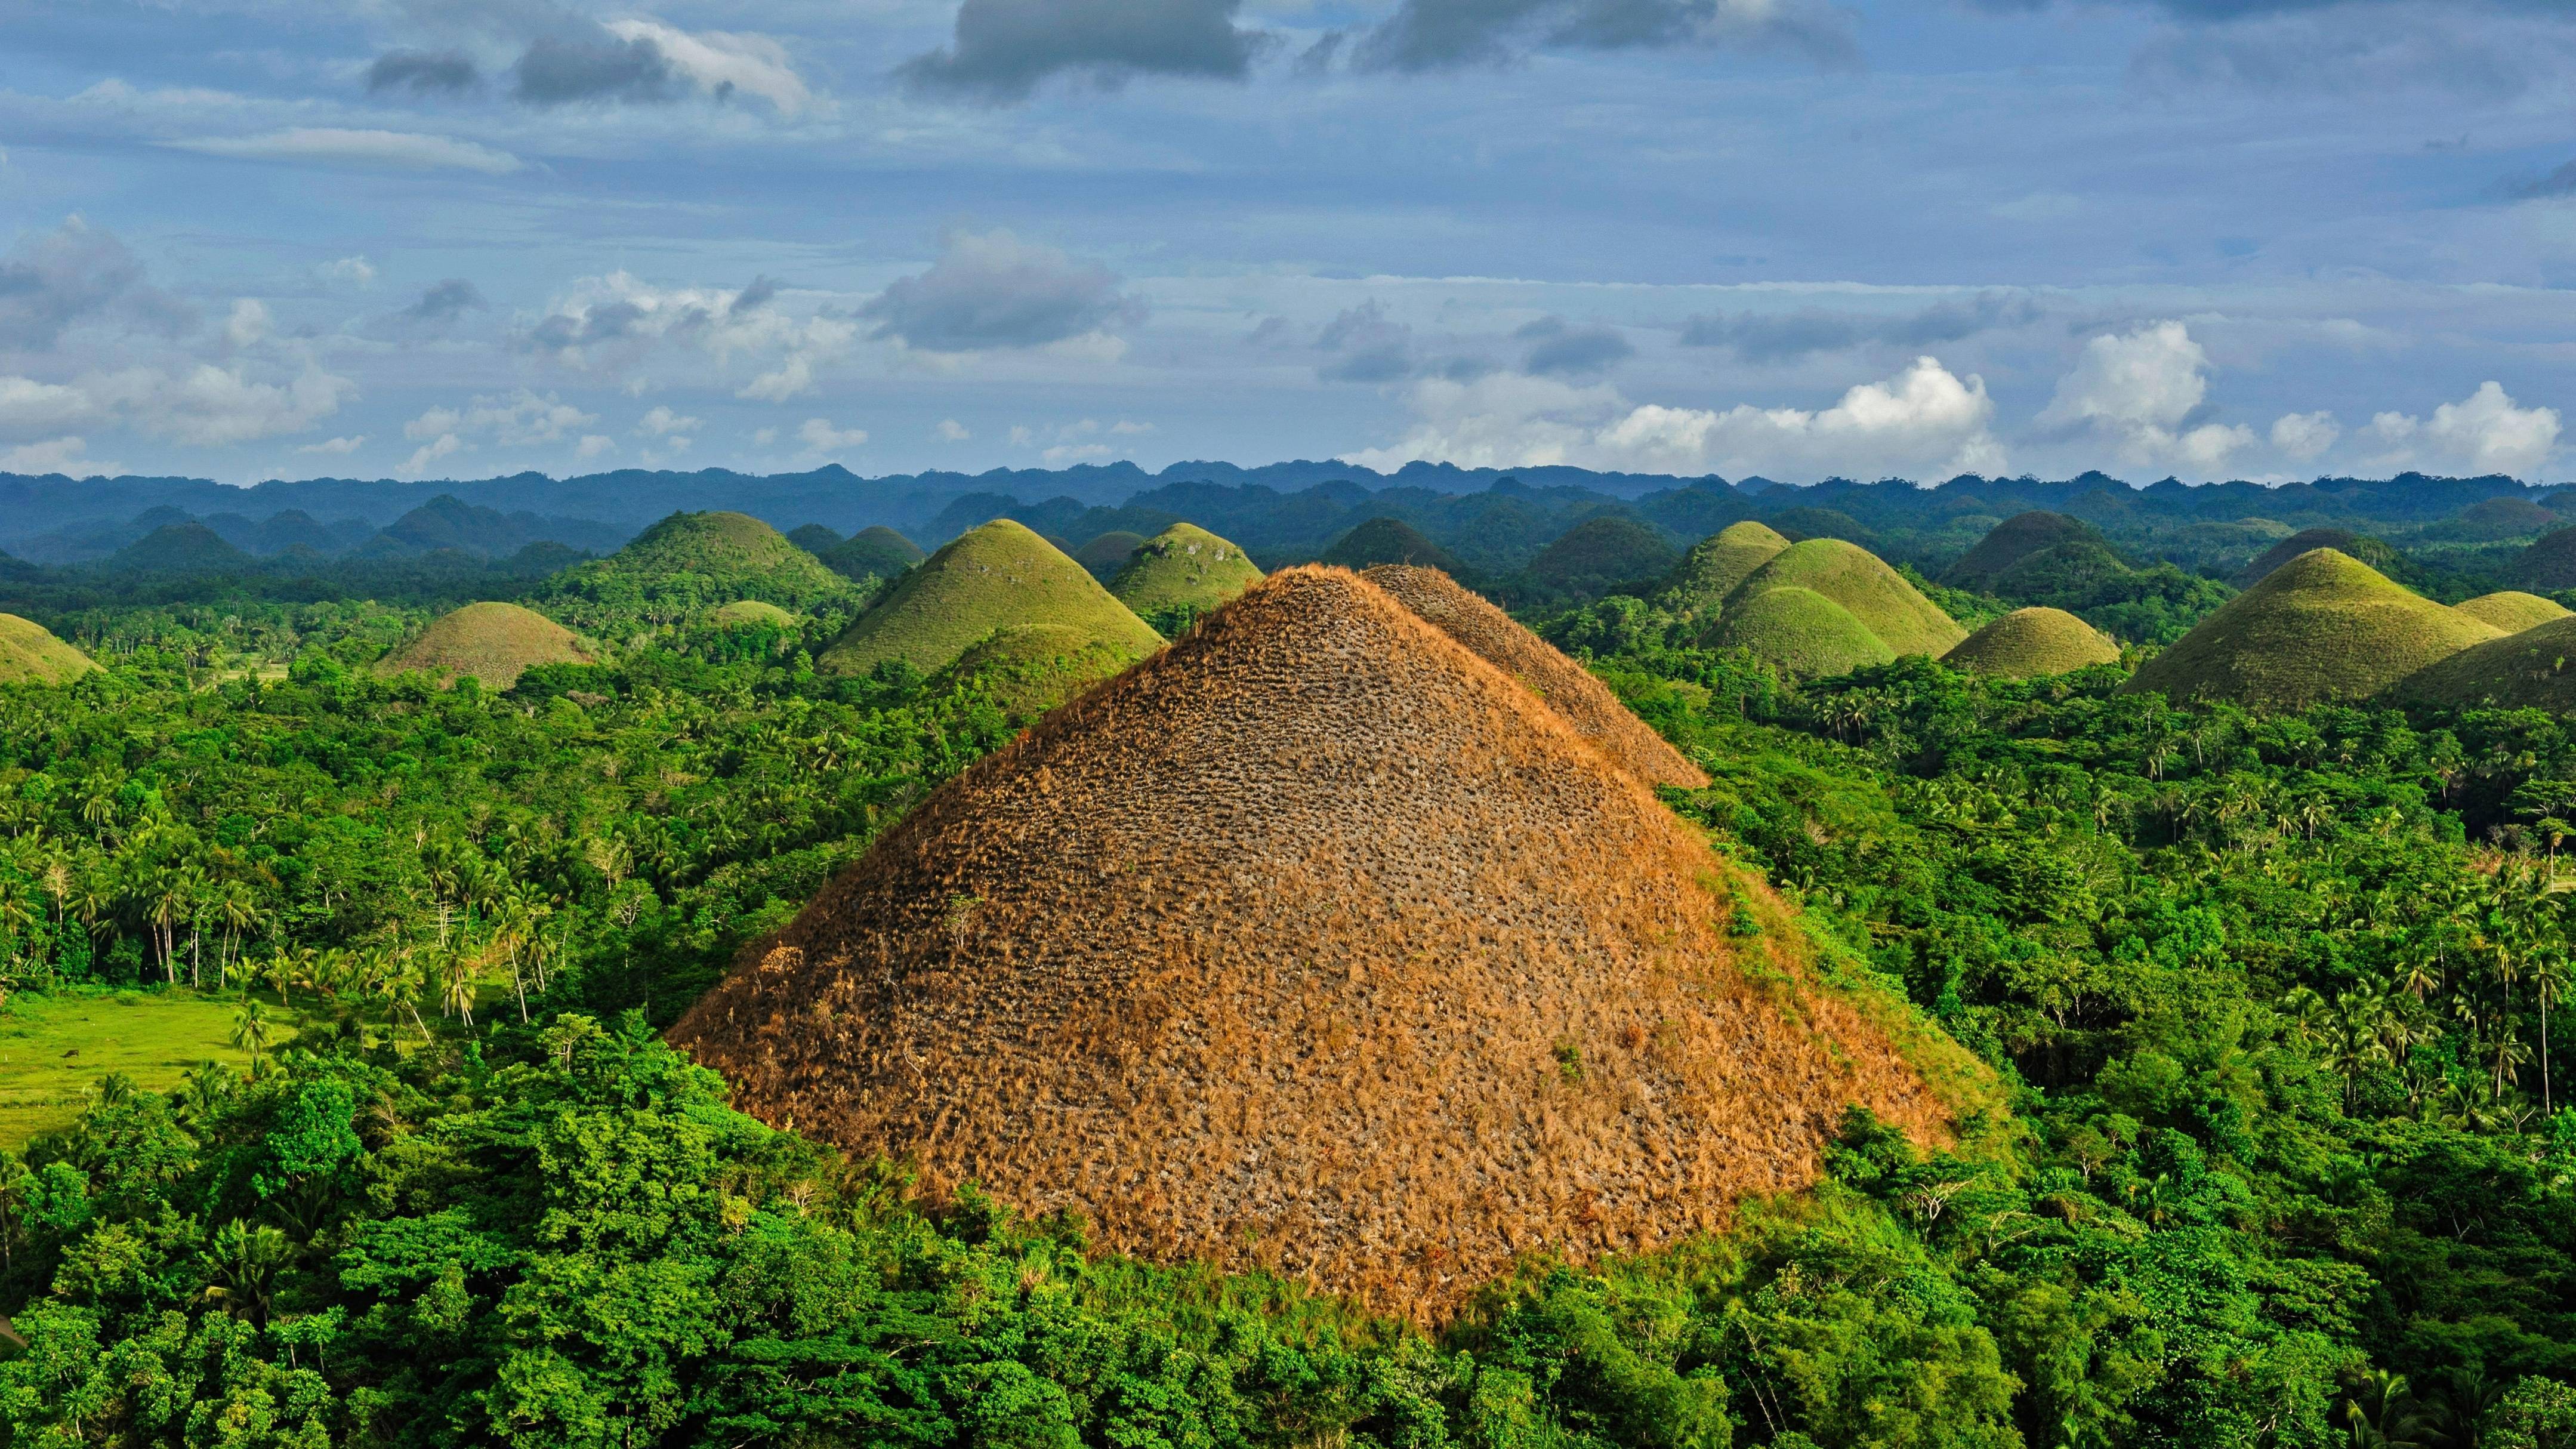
2027	643
1031	668
998	576
495	643
31	654
1183	567
1714	566
179	548
1876	595
2492	520
2549	563
1387	541
2323	626
814	538
2511	610
1800	630
2374	554
874	552
1602	551
752	613
687	564
2015	539
2528	670
1105	554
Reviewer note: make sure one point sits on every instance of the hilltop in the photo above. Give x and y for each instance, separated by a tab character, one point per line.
1853	577
2323	626
2016	539
30	654
179	548
1714	566
2379	556
1800	630
2511	611
1184	567
1387	541
874	552
1568	688
746	613
1598	554
495	643
1105	554
996	576
2525	670
1314	944
690	563
2030	642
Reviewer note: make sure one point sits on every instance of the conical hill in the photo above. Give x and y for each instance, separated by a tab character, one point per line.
2323	626
1567	687
1031	668
1106	553
1857	579
2015	539
1800	630
753	614
996	576
2030	642
2524	670
874	552
1387	541
2511	610
1700	583
496	643
1318	944
31	654
1183	567
2374	554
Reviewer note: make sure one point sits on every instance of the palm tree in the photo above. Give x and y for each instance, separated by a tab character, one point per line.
252	1030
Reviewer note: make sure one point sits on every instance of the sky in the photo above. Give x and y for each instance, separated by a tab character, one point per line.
422	239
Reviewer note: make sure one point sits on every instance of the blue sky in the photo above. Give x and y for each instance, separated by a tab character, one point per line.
433	238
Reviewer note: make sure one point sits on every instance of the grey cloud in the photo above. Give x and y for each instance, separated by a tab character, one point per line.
1560	349
753	297
1003	49
996	291
52	280
560	69
2561	182
604	323
1368	347
423	72
446	301
1426	35
1787	336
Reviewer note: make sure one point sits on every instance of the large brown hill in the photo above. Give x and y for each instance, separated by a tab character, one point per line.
1568	687
1313	943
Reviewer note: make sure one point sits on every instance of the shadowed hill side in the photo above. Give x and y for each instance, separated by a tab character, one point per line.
179	548
2549	563
2511	610
31	654
997	576
1599	553
2030	642
2375	554
496	643
2011	541
874	552
1106	553
1858	580
1183	567
2323	626
1314	943
685	565
1800	630
1700	583
1387	541
2524	670
1569	689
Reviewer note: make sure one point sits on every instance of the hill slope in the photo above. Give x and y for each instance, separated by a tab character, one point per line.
1600	552
2549	563
1387	541
179	548
31	654
994	577
1314	943
2511	611
1183	567
1106	553
2323	626
1708	573
689	563
874	552
1569	688
1855	578
2525	670
1800	630
2375	554
496	643
2029	642
1031	668
2011	541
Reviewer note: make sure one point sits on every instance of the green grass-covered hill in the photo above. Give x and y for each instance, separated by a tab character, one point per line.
2524	670
2549	563
1183	567
2011	541
874	552
1106	553
748	613
997	576
688	564
2379	555
1598	553
1714	566
30	654
495	643
1387	541
2323	626
1879	597
1032	668
2511	610
1800	630
2030	642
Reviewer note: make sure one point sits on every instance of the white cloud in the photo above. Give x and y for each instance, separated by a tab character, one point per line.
2138	389
428	453
336	447
1924	421
28	406
210	405
521	419
1124	428
2305	436
615	322
661	422
350	271
725	64
332	146
594	444
763	437
953	430
54	455
249	323
820	436
2486	432
1064	453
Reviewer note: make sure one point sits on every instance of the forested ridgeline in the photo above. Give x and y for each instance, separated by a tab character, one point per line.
2277	999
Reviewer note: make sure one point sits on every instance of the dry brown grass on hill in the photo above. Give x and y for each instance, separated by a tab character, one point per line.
1317	943
496	643
1568	687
